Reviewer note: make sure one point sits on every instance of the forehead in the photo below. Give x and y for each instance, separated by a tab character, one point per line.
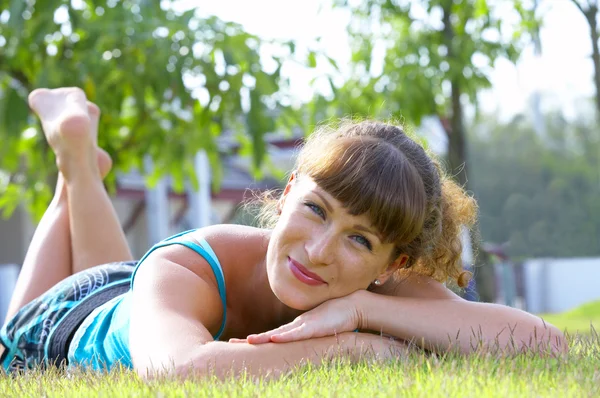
307	186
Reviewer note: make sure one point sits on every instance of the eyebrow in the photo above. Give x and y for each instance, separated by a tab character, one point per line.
329	208
358	227
363	228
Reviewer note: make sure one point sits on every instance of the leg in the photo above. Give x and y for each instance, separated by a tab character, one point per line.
96	234
49	258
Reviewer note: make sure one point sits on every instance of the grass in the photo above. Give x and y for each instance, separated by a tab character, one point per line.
583	319
419	375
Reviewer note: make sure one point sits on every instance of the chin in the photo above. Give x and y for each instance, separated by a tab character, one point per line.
292	297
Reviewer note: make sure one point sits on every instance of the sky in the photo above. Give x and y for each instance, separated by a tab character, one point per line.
563	74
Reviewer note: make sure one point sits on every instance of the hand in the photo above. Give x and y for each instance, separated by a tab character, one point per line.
332	317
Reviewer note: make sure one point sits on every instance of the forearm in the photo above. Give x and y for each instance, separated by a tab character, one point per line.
444	324
224	359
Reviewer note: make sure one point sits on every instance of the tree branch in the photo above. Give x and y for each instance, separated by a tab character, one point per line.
578	6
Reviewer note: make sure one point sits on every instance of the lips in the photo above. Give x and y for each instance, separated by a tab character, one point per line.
304	275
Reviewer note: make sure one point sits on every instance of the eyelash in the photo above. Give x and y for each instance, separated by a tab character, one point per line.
366	242
315	209
319	212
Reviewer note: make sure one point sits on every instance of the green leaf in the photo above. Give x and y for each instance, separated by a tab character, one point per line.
333	63
312	59
135	74
15	111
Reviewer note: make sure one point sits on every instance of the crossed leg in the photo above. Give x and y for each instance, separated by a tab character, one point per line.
80	228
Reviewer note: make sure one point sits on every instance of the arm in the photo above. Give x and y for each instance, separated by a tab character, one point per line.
271	359
426	312
420	310
176	309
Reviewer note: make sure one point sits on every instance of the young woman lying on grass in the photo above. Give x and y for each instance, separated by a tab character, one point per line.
363	236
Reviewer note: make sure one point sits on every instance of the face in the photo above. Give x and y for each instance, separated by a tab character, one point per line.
318	251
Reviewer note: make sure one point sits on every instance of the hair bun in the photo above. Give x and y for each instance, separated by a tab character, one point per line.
464	278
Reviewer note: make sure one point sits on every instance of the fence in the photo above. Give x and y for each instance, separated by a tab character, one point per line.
556	285
8	278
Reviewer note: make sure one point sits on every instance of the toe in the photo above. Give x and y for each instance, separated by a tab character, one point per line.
93	110
104	162
36	97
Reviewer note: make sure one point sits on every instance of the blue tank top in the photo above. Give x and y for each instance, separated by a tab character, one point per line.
102	340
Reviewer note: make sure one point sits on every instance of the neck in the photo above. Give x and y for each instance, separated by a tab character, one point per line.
266	306
260	303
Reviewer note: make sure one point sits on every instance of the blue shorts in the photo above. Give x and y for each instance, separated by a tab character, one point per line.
40	333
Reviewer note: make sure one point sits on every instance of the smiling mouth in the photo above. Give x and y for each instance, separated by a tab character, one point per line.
304	275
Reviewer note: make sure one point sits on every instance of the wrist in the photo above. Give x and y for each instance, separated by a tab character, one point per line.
359	302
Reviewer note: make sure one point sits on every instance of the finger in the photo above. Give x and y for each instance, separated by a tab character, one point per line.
238	341
259	338
300	333
265	337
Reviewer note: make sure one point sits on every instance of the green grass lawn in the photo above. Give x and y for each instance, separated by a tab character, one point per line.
583	320
419	375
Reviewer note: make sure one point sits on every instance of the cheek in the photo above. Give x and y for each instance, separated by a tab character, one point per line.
293	227
368	267
356	275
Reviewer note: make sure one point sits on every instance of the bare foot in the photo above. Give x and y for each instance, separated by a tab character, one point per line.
104	160
94	114
67	126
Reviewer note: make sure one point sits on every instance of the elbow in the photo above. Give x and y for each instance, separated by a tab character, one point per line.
152	373
181	371
172	369
545	339
558	344
203	362
527	337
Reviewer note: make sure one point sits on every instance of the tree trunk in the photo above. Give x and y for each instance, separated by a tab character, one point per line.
457	153
591	18
457	150
590	15
457	161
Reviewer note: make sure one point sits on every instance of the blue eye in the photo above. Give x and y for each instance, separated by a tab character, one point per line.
363	241
316	209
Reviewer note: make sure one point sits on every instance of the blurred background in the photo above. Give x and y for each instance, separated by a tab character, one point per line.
202	101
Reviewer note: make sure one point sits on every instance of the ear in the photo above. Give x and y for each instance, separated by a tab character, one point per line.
286	191
398	263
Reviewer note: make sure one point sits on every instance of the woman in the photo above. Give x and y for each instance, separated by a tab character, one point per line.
364	233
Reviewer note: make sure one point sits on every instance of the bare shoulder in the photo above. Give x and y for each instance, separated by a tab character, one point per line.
235	245
176	300
225	235
415	285
231	243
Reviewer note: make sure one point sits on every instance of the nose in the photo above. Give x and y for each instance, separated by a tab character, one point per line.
320	248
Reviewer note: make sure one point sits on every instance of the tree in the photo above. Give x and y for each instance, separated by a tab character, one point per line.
589	9
538	194
436	56
168	84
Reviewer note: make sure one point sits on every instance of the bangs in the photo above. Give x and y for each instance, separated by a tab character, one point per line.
369	176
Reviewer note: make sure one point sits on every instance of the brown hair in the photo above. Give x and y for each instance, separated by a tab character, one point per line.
376	169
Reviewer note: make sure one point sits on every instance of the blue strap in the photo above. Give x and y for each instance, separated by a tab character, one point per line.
208	254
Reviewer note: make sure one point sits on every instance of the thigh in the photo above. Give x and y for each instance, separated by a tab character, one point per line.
26	335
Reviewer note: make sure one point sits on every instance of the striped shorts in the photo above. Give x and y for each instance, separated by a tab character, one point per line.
40	333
